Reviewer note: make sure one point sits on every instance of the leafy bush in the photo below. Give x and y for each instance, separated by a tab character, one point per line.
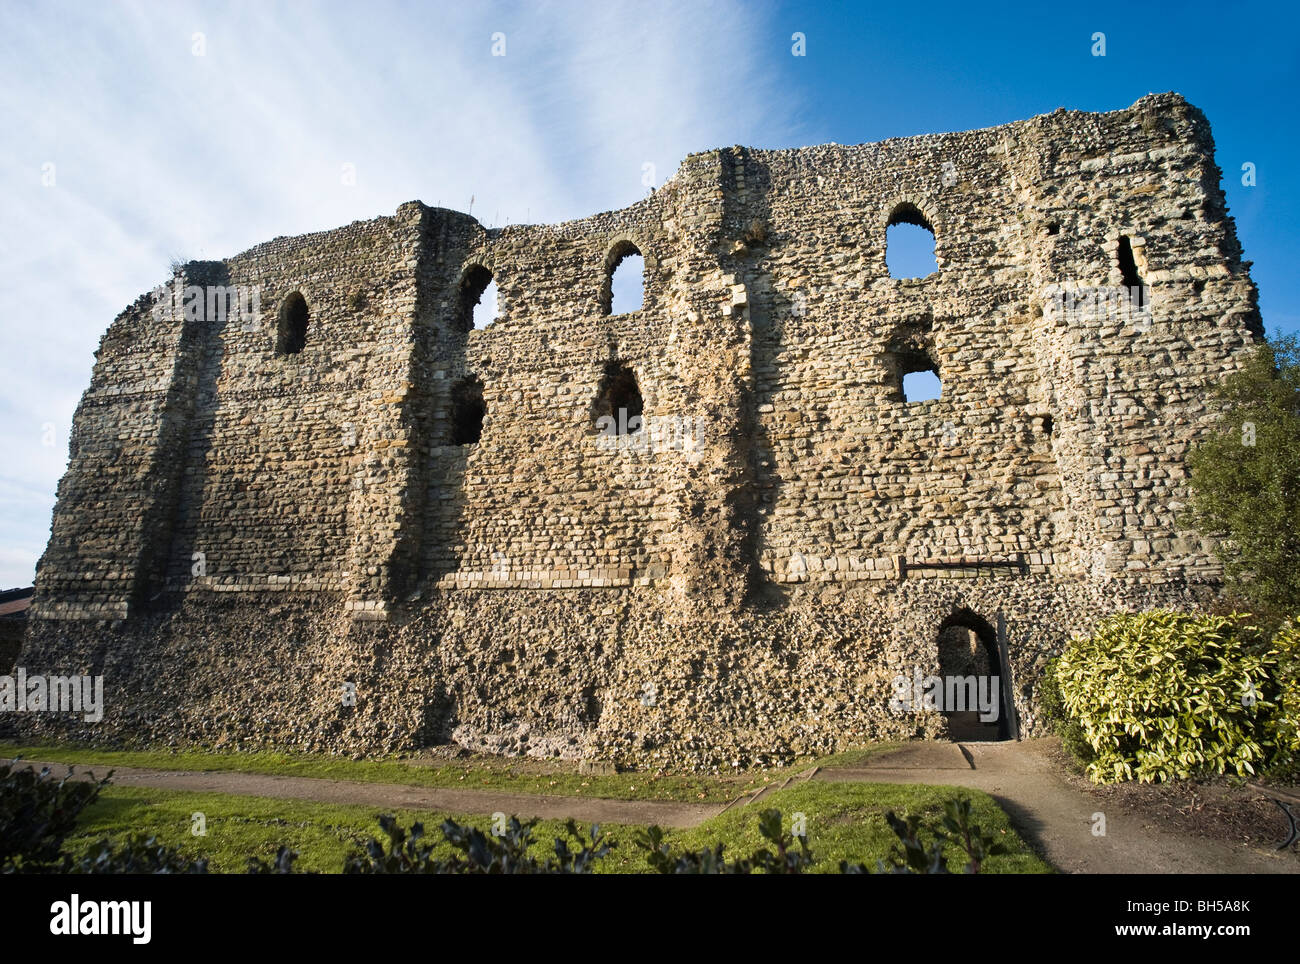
1052	705
410	853
36	814
780	857
916	857
283	863
1245	480
135	855
977	845
1160	695
1286	761
785	859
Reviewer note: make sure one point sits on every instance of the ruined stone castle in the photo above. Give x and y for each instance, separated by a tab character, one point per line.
711	532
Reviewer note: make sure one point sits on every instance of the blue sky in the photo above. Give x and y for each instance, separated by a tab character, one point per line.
128	141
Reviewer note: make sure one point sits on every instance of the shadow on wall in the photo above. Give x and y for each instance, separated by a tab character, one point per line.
179	564
457	438
455	425
768	312
439	717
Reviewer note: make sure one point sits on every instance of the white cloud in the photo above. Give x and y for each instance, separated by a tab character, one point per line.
161	154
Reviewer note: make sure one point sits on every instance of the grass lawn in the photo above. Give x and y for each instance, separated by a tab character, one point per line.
845	821
494	773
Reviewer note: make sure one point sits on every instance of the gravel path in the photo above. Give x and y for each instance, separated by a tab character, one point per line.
391	796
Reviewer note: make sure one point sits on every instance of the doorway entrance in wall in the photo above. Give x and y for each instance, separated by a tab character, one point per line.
971	665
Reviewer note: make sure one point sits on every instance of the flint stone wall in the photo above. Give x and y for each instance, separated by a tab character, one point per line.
244	535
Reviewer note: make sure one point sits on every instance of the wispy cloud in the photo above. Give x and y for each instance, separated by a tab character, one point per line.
159	153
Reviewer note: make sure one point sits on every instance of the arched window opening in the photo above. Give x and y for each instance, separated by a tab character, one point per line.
1128	270
909	244
477	298
486	312
291	330
467	411
618	407
970	666
623	288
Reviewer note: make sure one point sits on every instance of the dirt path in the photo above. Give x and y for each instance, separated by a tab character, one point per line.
1057	819
1054	817
391	796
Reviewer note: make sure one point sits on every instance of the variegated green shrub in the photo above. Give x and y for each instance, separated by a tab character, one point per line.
1161	695
1287	728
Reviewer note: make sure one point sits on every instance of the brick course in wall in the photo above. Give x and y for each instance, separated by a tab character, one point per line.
244	534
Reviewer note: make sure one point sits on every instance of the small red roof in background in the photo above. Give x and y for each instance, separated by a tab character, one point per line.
15	606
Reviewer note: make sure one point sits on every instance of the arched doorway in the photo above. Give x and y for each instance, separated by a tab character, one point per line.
975	681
